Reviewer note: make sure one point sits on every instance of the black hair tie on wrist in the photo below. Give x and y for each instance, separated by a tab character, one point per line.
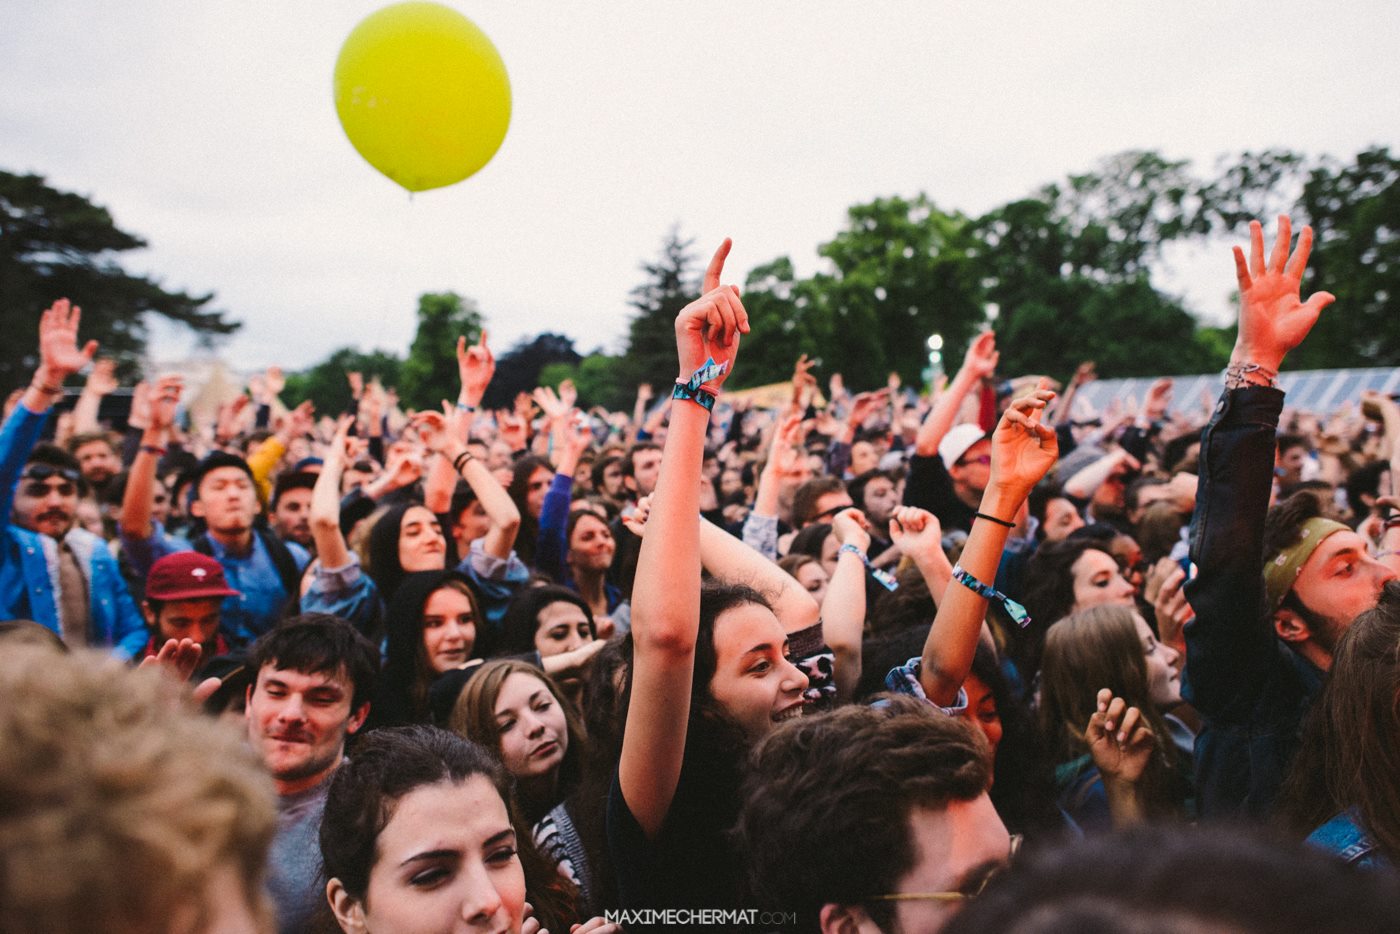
461	459
983	515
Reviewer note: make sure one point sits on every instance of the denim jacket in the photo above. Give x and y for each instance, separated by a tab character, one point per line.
1343	837
29	579
1251	690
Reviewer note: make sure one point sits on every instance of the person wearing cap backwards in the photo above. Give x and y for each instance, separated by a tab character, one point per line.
185	594
52	572
262	569
1261	644
951	464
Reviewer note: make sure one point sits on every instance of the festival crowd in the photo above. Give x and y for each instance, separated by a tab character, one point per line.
981	661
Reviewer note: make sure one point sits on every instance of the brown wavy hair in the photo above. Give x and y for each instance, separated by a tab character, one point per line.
1085	652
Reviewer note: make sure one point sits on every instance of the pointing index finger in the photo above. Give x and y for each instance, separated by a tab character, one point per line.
712	274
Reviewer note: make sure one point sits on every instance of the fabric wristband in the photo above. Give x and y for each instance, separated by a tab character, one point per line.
884	578
690	389
1013	609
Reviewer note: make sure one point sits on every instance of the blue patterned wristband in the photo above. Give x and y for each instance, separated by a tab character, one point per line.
1013	609
884	578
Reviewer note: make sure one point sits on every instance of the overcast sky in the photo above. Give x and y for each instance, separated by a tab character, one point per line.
209	130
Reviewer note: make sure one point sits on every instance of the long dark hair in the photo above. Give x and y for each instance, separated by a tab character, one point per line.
384	564
519	491
403	686
1350	754
389	765
522	619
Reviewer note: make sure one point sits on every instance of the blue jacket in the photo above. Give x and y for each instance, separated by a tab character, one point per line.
1251	690
29	581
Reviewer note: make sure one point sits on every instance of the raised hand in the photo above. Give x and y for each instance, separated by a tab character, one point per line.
275	381
512	429
981	358
568	393
916	532
299	421
177	658
1023	449
140	415
434	430
636	520
102	381
1119	739
59	356
1273	317
851	527
709	327
475	365
550	403
1084	373
867	404
1159	399
785	454
164	401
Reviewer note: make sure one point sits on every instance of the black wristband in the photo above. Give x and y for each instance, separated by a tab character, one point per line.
983	515
461	459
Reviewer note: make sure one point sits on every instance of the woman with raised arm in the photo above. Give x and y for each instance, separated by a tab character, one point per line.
710	671
1022	451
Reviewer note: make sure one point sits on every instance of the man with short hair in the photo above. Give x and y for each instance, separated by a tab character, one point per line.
52	572
185	593
871	819
819	500
314	679
265	570
1261	642
641	467
291	507
97	458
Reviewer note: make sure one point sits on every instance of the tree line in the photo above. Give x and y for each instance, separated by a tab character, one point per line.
1066	272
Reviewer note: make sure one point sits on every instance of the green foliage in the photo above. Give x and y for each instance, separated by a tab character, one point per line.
597	379
326	384
651	335
429	374
56	244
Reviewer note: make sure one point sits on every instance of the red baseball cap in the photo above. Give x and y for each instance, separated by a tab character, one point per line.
187	575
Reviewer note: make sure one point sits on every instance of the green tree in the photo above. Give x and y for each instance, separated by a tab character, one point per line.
597	377
429	374
1354	210
902	270
651	335
56	244
326	385
784	322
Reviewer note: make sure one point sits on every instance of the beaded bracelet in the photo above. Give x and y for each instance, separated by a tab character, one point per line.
1236	373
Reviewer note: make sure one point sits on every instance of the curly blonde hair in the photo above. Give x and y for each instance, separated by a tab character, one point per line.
118	801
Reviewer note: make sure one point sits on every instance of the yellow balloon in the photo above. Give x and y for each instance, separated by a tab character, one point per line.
422	94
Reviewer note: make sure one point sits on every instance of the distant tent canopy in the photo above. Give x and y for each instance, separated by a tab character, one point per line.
1317	391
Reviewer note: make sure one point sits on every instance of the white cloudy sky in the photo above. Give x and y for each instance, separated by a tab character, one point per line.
209	129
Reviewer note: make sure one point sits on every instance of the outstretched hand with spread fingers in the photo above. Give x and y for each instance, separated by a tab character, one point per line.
59	355
1273	316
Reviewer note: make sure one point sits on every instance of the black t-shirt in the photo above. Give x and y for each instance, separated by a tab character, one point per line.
690	864
929	487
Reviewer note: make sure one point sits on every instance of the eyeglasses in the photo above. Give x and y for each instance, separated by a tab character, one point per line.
42	472
975	890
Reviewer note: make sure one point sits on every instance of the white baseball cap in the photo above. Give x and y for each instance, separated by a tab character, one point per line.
956	442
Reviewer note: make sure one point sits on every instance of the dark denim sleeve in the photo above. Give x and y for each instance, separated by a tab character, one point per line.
1230	646
552	546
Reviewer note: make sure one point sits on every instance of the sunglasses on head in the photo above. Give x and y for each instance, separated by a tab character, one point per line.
42	472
